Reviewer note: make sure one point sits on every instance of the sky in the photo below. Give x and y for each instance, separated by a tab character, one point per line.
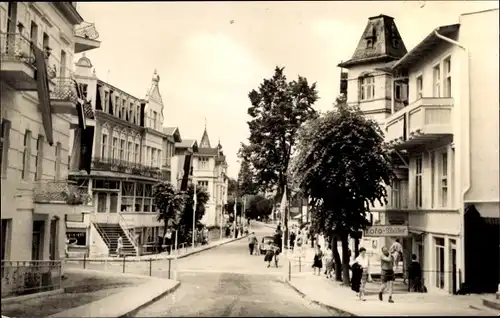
210	55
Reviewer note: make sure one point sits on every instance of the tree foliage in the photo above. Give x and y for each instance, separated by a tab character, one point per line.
278	108
259	206
202	197
169	202
342	164
232	186
246	183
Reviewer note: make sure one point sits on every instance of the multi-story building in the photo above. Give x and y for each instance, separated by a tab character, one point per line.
130	153
38	108
209	171
438	105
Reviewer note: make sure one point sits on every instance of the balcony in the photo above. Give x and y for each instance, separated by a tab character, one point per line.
63	97
124	166
61	198
86	37
420	123
29	277
17	62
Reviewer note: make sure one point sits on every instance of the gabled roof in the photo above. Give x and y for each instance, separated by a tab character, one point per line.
425	46
380	41
174	132
154	91
208	151
187	143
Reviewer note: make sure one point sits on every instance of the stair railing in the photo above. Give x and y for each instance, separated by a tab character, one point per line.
128	232
100	230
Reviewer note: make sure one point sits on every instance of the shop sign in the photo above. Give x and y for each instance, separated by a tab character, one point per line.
386	230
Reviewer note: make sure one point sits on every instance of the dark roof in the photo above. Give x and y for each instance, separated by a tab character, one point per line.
187	143
426	45
208	151
174	132
387	42
205	141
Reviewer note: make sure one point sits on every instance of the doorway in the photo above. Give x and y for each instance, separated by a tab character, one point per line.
453	265
54	230
37	240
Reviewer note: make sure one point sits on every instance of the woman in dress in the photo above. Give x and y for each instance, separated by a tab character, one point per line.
363	263
317	261
328	262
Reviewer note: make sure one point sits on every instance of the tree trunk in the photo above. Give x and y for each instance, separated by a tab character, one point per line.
336	257
301	210
356	247
345	259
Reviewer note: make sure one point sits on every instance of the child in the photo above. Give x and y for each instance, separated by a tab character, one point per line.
318	260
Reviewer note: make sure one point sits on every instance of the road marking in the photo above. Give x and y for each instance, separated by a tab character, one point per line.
228	271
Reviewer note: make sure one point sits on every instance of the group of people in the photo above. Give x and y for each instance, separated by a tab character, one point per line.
360	269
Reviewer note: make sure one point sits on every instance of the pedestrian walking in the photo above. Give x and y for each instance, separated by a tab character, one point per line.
252	240
317	261
387	274
328	262
269	255
415	275
361	270
167	239
396	251
292	240
119	246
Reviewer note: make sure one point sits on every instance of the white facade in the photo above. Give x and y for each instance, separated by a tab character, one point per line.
35	134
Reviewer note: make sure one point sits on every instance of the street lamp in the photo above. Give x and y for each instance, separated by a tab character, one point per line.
194	211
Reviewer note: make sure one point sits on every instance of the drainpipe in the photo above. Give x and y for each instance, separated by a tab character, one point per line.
466	145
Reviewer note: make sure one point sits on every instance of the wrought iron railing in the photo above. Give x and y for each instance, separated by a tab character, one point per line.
87	30
29	277
67	192
100	230
64	90
16	47
109	164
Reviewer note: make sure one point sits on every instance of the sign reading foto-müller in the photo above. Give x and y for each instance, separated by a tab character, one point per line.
386	230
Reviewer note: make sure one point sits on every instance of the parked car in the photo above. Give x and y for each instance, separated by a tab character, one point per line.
266	244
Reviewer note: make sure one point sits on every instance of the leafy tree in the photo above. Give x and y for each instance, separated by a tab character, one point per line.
245	183
259	206
186	220
278	108
170	203
342	164
229	207
232	186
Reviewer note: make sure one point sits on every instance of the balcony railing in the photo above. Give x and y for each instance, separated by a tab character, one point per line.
67	192
16	47
87	30
124	166
64	90
29	277
423	121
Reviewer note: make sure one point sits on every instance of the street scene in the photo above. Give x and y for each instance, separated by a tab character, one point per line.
242	159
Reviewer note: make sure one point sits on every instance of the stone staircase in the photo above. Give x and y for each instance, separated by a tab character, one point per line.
110	233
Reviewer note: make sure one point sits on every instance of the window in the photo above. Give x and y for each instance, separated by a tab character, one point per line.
79	238
62	68
158	158
116	106
39	158
113	202
155	119
137	153
444	179
26	155
203	184
396	197
418	182
102	198
45	40
139	195
447	77
148	156
367	88
127	203
397	91
433	174
420	85
130	151
114	150
4	145
106	101
57	164
436	71
148	194
84	89
439	258
34	33
395	43
122	149
12	17
138	115
104	146
369	44
153	157
203	163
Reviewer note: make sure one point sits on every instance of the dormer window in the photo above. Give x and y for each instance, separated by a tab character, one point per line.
395	43
369	44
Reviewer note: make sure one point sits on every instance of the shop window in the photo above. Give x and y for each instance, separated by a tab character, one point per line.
77	238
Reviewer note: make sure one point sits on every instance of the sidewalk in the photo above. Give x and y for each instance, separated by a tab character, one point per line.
332	295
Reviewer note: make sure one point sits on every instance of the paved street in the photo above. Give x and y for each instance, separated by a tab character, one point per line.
228	282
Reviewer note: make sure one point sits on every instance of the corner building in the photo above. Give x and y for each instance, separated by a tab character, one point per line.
438	106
